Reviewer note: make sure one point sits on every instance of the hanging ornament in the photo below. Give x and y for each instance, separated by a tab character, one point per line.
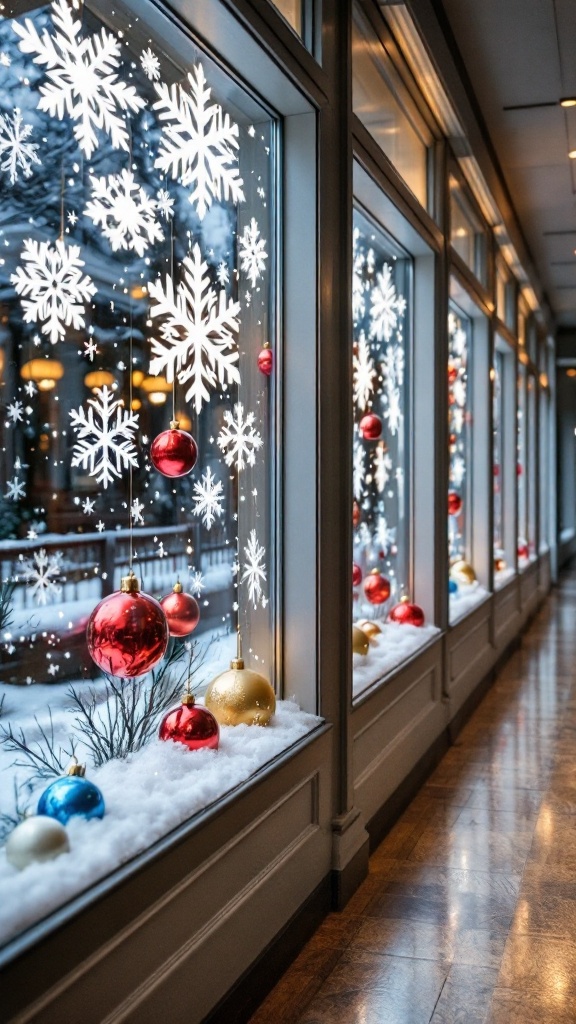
36	839
73	795
360	642
370	628
266	359
174	452
523	550
127	633
463	573
376	587
181	610
454	503
406	614
356	514
452	373
499	564
356	574
191	724
370	427
519	469
240	695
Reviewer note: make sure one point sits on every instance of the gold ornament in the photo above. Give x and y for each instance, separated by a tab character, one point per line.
360	641
240	695
499	564
370	628
463	572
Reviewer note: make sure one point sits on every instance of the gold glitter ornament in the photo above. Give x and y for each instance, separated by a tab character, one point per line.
360	641
240	696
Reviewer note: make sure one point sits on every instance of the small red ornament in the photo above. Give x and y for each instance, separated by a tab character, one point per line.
454	503
376	587
174	452
356	575
499	564
266	359
406	614
496	470
452	373
523	551
356	514
190	724
519	469
452	439
127	633
181	610
370	427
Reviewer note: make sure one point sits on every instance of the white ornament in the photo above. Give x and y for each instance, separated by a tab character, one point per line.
124	211
52	278
199	142
82	78
150	64
238	438
105	435
198	331
36	839
254	569
16	489
42	572
386	306
252	252
364	373
208	499
15	151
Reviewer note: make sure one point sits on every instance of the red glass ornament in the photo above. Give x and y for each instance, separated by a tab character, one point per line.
370	427
266	359
406	614
496	470
523	551
452	374
356	575
127	633
174	452
452	439
356	514
181	610
192	725
499	564
376	587
519	469
454	503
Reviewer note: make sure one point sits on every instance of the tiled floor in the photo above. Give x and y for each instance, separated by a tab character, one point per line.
469	911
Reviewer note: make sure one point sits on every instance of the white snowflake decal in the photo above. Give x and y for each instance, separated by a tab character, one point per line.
150	64
359	471
199	142
165	203
136	510
15	151
88	506
41	572
198	331
15	411
386	307
254	569
124	211
208	499
105	437
238	438
222	273
197	584
16	489
382	467
393	410
364	373
385	535
52	278
82	78
252	252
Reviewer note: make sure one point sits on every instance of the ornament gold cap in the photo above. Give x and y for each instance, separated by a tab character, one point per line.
74	768
177	588
130	584
375	572
238	661
266	344
404	599
174	424
188	700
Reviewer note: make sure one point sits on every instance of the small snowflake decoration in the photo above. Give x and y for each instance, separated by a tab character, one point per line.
385	535
199	142
197	584
136	510
53	288
15	151
42	572
386	306
82	78
238	438
252	252
124	211
105	435
382	467
16	489
15	411
254	569
150	64
364	374
165	203
208	499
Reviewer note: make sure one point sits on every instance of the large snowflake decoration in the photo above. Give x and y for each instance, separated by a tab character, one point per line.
53	286
82	78
42	572
393	409
199	142
124	211
197	330
364	373
385	535
252	252
386	306
254	569
15	151
208	499
105	435
238	438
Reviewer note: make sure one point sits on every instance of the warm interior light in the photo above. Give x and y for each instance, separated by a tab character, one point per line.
136	404
139	291
44	372
98	378
492	374
568	101
572	154
157	397
137	377
155	384
571	373
184	421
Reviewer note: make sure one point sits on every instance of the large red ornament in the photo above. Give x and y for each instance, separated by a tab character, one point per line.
174	452
406	614
192	725
370	427
127	633
454	503
266	359
376	587
181	610
356	575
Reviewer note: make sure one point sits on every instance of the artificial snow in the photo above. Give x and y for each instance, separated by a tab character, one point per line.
465	599
388	650
502	576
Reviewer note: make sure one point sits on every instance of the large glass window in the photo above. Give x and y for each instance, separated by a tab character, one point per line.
468	235
522	470
531	399
459	436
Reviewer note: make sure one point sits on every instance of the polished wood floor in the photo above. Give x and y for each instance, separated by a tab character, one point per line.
469	911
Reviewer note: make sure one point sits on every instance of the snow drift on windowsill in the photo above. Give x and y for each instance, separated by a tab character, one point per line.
465	599
503	576
395	644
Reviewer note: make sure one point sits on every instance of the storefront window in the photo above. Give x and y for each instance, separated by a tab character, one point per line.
532	472
459	436
467	233
522	471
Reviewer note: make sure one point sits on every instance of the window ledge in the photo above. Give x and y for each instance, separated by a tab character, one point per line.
397	647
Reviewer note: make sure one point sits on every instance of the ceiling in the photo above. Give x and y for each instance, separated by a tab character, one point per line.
522	54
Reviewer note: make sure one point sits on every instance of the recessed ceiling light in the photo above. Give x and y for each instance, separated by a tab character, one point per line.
572	154
568	101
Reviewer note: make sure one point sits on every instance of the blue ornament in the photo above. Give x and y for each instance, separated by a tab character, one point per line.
70	796
452	587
